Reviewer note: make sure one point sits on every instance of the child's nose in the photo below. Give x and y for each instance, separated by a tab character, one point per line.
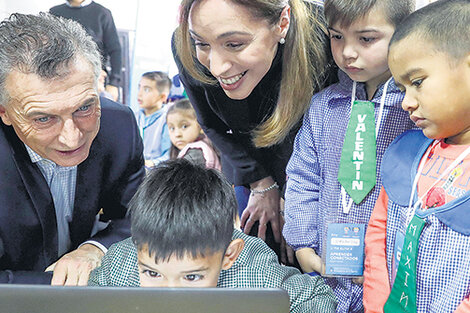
349	52
409	102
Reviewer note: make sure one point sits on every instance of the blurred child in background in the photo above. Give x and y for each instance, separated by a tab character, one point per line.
187	138
154	88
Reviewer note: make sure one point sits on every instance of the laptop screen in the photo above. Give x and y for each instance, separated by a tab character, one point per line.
48	299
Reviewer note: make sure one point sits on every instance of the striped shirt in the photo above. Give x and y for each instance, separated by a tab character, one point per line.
62	182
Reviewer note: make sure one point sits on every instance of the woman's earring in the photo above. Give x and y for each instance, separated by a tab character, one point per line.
282	41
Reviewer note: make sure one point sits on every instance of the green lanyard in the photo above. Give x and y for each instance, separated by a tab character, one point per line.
402	298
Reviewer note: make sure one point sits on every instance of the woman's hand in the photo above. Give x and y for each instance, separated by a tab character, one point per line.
264	208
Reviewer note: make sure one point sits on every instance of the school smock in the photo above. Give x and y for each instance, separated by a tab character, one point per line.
154	132
313	195
257	266
443	261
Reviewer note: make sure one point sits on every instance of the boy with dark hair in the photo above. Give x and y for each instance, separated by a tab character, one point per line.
418	240
183	236
333	174
154	89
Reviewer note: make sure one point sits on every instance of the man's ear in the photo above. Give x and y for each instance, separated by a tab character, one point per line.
231	254
284	22
4	115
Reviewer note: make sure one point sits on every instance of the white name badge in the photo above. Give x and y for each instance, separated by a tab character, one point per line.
344	250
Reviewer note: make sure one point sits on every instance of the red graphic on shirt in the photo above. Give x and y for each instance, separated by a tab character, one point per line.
435	197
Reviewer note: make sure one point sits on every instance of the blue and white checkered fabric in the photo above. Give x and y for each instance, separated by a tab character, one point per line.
443	264
313	196
61	181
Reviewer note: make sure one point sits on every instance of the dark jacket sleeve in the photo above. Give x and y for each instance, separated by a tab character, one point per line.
112	47
25	277
246	169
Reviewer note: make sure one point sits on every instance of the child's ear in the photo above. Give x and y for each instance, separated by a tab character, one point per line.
164	96
231	254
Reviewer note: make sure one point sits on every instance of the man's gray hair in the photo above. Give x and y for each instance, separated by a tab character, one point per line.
44	45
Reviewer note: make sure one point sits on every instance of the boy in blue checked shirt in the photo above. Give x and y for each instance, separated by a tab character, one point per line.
183	236
418	240
333	174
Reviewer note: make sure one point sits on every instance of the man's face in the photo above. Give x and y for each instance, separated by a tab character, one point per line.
58	119
180	272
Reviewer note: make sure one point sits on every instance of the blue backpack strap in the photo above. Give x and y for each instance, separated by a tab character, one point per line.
400	163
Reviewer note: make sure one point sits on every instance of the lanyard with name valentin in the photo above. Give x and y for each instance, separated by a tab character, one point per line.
402	298
357	168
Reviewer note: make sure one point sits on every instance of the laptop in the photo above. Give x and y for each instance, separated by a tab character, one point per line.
48	299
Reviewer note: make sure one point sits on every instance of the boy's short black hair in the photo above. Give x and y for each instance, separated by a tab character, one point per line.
182	208
347	11
161	79
445	24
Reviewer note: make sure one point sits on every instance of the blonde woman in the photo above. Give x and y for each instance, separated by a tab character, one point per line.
250	68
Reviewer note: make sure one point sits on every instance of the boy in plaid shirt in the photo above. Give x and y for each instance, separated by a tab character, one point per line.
183	236
418	239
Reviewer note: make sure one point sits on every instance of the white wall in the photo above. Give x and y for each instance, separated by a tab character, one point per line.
150	22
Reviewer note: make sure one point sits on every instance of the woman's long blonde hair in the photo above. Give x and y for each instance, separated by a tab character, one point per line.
303	65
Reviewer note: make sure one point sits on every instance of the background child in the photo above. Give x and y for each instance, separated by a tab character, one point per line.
183	236
316	202
423	212
187	138
154	88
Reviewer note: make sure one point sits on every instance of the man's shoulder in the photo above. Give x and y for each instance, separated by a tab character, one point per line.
98	7
58	8
115	116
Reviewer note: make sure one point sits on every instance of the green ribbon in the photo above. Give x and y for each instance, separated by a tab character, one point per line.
357	168
402	298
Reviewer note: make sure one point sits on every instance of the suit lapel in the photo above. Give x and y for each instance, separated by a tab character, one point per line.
87	191
38	192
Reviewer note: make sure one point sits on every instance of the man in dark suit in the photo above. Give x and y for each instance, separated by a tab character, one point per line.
69	161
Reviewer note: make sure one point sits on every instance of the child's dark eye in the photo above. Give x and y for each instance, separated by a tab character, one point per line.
193	277
336	36
417	82
368	39
150	273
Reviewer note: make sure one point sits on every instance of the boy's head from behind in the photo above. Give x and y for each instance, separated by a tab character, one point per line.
182	224
360	32
154	88
430	60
